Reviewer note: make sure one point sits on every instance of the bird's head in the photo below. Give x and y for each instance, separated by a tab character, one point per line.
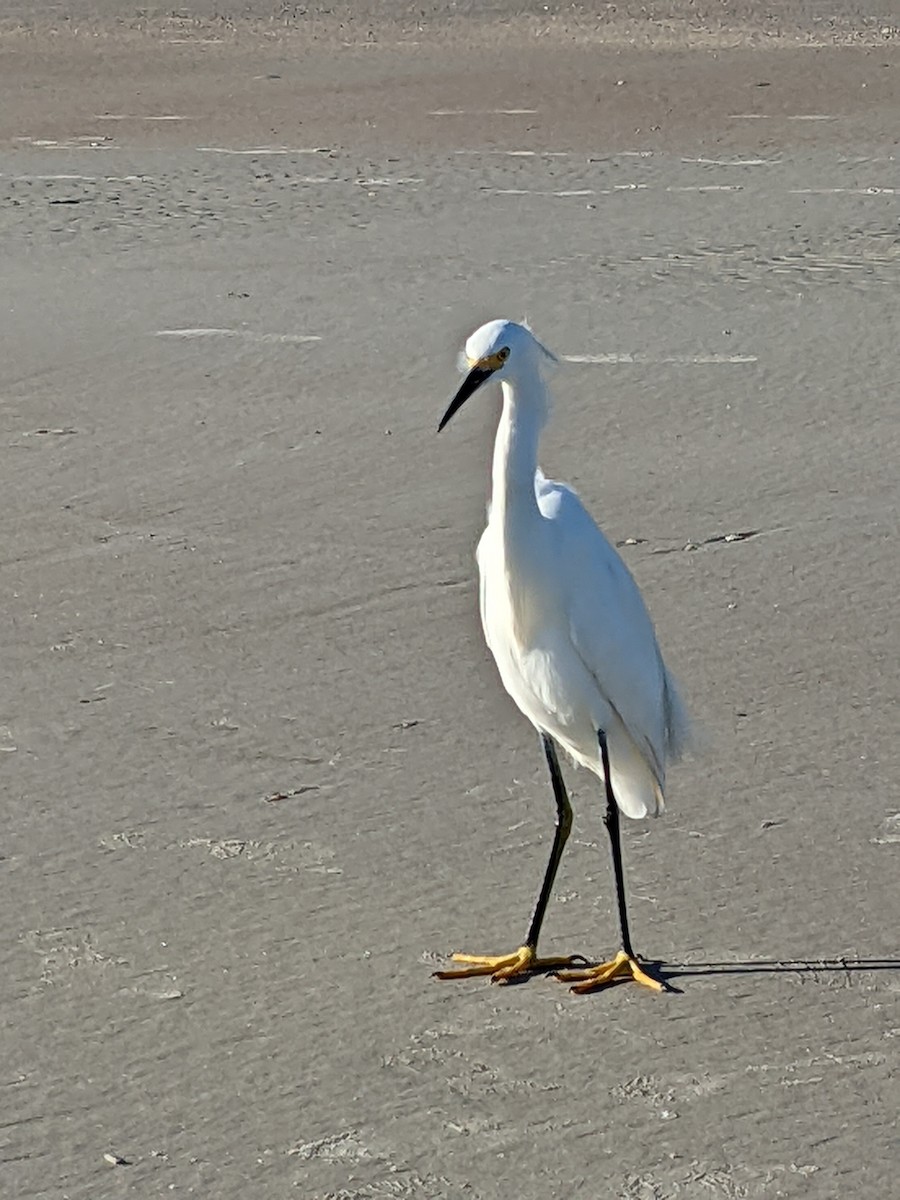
498	350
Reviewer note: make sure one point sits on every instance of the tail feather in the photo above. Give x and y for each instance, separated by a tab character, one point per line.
636	786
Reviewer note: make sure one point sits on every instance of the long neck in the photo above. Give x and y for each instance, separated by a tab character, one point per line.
516	450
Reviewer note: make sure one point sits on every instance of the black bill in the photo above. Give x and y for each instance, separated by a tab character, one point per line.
470	385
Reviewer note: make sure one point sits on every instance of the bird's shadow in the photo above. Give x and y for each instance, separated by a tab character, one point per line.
668	972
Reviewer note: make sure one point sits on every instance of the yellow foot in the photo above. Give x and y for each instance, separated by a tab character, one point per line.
503	968
621	967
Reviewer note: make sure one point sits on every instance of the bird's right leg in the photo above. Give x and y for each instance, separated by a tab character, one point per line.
626	964
505	967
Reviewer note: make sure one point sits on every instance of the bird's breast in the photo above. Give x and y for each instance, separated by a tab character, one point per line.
517	590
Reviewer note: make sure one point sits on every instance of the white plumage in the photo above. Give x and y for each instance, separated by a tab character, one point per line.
562	615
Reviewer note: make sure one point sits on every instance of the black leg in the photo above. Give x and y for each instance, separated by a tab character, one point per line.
611	821
560	837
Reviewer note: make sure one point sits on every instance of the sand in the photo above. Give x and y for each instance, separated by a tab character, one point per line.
260	775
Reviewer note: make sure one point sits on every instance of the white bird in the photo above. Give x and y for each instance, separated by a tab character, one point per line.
572	640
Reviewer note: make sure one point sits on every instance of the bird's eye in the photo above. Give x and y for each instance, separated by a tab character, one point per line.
503	354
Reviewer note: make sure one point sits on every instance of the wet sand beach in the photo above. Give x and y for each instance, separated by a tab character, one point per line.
260	775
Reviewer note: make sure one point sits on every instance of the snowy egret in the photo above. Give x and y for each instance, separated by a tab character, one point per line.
572	640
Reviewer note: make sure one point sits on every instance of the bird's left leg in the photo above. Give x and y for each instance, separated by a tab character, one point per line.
504	967
625	965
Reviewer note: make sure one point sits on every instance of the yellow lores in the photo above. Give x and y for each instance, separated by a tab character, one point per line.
490	362
573	643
